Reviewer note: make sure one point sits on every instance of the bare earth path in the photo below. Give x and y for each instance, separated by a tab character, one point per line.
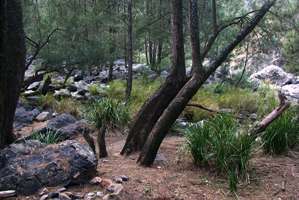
174	177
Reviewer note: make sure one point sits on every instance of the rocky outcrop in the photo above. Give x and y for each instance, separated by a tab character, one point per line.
274	75
291	91
24	116
29	166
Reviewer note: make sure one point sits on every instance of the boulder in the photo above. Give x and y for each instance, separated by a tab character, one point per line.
291	91
62	93
34	86
26	167
274	74
43	116
81	85
24	117
61	121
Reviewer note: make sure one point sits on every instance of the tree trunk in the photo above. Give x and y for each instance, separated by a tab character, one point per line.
110	72
155	105
176	107
130	51
12	65
102	142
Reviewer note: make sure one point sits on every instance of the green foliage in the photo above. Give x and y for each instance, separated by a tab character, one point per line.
107	112
282	134
95	90
290	51
141	91
65	105
49	137
47	101
218	142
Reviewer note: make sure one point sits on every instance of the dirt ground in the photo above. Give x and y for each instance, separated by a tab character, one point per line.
174	177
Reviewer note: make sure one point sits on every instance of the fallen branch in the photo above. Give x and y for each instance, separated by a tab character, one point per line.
202	107
276	113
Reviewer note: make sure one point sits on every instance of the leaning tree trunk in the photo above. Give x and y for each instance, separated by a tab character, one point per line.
176	107
12	65
155	105
102	142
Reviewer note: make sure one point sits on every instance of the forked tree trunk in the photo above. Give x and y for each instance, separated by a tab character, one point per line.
12	65
102	142
156	104
177	105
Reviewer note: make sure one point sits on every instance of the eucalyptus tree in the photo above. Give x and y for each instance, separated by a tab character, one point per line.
12	65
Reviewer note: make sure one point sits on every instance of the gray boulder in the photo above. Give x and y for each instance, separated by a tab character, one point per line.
291	91
274	74
24	117
61	121
27	167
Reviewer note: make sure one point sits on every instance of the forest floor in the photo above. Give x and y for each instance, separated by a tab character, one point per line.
174	176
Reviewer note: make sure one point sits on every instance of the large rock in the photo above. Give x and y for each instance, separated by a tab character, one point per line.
291	91
27	167
61	121
24	117
273	74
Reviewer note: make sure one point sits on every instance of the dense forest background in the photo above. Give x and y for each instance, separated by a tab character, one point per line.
85	33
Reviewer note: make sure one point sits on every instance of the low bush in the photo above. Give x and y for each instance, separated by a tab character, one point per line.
48	137
68	105
107	112
282	134
219	143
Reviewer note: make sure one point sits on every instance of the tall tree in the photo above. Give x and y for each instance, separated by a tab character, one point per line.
130	51
12	65
200	75
153	108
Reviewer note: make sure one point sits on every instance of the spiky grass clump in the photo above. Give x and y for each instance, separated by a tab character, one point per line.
48	137
282	134
108	112
218	143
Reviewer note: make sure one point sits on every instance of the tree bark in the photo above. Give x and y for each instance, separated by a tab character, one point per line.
177	105
130	51
155	105
102	142
12	65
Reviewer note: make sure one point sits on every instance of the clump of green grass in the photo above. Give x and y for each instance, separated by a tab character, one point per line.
107	112
48	137
219	143
95	90
68	105
47	101
282	134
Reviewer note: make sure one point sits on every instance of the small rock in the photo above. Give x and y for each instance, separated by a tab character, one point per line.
63	189
63	196
106	183
8	193
96	180
53	195
115	189
43	116
124	178
90	196
99	194
118	180
44	197
43	192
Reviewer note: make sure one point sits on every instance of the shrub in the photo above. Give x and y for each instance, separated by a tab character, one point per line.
93	89
48	137
68	105
219	143
108	112
282	134
47	101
